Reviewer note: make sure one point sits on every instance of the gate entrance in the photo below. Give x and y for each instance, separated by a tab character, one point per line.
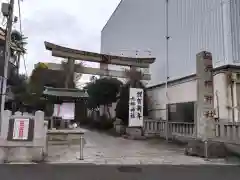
103	59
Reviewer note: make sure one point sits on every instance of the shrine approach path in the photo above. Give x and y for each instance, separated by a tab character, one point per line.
101	148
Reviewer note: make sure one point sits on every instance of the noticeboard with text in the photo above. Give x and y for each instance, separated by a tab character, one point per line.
136	107
66	111
21	129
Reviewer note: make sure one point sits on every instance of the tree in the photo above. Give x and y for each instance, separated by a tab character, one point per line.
20	90
42	76
20	41
32	95
103	91
18	82
134	81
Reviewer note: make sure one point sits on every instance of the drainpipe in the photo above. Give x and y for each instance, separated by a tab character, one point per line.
232	100
217	101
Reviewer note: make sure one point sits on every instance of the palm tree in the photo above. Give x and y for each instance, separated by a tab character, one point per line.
18	43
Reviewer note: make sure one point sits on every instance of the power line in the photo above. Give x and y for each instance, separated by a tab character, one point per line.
25	67
20	27
19	14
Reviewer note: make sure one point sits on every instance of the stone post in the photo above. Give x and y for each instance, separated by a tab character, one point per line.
5	124
39	139
39	125
205	97
4	134
45	138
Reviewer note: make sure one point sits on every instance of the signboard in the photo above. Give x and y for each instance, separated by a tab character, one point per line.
67	111
136	107
205	94
20	129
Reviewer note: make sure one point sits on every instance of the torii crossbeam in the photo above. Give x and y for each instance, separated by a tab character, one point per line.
74	54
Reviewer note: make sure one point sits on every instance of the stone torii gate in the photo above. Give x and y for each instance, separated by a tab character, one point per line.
73	54
104	59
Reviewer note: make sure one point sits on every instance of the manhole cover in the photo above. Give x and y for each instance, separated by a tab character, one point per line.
129	169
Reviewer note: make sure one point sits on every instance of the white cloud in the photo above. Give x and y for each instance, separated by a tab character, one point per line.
73	23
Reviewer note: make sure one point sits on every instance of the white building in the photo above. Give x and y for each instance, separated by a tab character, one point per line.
194	26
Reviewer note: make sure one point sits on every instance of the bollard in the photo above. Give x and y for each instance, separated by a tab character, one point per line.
206	150
81	147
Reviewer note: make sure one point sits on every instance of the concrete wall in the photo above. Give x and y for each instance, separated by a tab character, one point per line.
186	90
29	150
182	91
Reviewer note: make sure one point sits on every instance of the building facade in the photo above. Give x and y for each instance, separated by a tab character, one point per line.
193	26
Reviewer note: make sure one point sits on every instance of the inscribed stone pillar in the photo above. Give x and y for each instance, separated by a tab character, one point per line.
205	107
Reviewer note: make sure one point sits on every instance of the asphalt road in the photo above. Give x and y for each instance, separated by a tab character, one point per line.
114	172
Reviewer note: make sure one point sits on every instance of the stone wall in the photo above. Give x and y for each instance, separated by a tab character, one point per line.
29	149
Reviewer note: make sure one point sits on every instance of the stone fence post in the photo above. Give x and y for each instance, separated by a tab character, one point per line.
5	124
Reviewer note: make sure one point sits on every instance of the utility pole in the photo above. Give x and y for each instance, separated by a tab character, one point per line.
7	57
167	67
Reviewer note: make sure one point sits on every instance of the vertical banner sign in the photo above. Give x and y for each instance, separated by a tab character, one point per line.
205	94
135	107
20	129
